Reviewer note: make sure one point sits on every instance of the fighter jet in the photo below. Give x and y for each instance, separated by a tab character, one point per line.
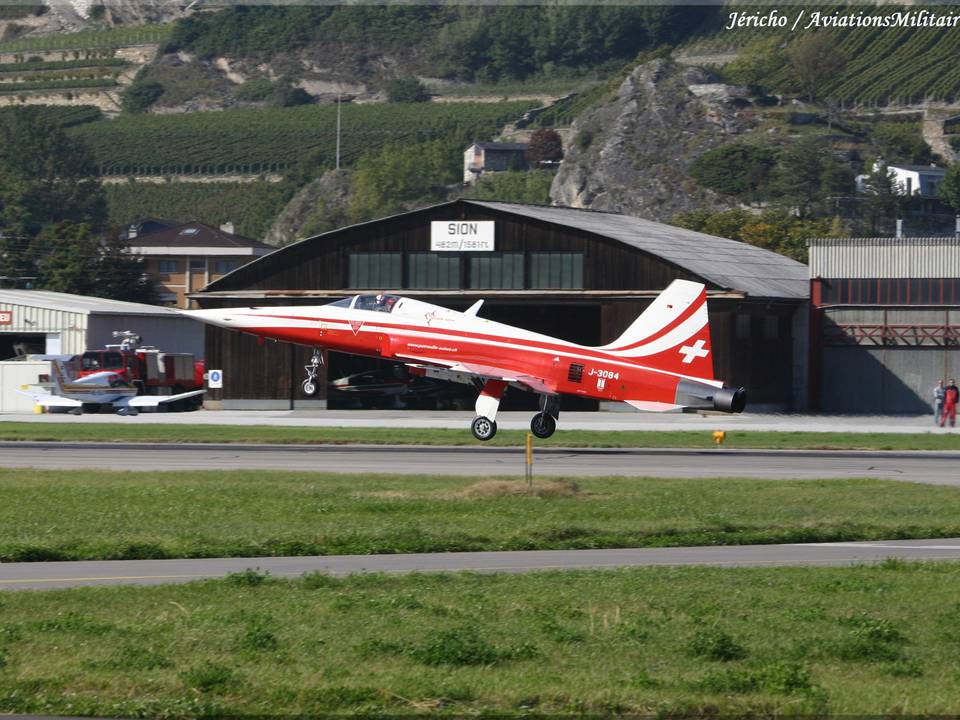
94	390
662	362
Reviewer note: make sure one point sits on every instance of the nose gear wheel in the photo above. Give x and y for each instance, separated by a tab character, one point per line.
310	385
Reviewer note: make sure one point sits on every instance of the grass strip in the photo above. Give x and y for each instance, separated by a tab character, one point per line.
266	434
679	642
78	515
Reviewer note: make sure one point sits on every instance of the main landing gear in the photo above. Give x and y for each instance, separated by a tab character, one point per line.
310	385
544	423
484	425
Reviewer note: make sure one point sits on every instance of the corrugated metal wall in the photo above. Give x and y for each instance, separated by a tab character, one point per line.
885	257
885	380
72	326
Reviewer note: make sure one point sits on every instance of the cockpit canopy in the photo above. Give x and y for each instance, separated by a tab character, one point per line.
376	303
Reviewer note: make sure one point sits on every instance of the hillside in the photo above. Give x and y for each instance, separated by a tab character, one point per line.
242	100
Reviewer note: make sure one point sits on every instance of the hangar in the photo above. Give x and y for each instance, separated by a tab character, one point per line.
52	323
576	274
885	322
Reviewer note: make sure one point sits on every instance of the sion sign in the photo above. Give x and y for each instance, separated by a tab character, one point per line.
461	235
6	317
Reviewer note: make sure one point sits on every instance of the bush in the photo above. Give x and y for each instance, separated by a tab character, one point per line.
291	97
256	90
257	638
869	639
248	578
207	677
407	91
459	646
716	645
140	96
781	678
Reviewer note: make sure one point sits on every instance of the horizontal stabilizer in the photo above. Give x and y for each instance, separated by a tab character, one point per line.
651	406
51	401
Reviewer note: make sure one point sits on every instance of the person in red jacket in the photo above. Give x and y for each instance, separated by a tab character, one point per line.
951	396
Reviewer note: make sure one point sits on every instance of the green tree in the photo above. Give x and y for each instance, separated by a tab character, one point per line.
882	196
531	188
950	187
902	142
739	169
140	96
46	176
70	258
408	90
755	63
815	60
807	173
398	176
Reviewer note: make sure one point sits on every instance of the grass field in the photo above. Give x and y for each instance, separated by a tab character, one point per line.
879	640
746	439
56	515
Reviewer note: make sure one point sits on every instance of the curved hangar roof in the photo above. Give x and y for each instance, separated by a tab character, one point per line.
730	264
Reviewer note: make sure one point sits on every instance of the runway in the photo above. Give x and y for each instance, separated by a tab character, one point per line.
620	418
51	575
938	468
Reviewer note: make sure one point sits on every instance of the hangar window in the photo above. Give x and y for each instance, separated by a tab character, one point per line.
433	270
375	270
497	271
743	327
771	327
556	271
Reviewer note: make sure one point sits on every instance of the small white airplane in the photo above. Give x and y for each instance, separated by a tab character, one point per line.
92	391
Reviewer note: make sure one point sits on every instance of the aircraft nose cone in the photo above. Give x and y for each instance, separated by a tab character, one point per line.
221	317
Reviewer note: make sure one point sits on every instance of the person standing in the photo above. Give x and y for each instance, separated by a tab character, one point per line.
951	395
938	393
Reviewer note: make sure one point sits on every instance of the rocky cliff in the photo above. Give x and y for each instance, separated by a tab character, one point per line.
631	154
318	206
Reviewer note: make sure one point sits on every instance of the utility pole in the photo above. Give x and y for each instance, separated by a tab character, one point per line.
338	131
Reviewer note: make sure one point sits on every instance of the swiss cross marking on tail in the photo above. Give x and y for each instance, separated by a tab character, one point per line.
692	352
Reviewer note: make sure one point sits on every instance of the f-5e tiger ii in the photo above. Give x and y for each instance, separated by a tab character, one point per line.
662	362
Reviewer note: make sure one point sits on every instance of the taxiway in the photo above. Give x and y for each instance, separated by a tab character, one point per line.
927	467
51	575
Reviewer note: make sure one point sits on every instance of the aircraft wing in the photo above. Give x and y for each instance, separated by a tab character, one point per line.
484	372
138	401
48	400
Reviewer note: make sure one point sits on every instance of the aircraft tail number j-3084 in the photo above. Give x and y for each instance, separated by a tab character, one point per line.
662	362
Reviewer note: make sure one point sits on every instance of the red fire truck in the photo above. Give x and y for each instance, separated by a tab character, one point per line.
149	369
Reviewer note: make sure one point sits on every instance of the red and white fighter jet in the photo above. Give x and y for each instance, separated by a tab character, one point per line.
662	362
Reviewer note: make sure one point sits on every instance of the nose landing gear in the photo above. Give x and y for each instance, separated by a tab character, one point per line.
310	385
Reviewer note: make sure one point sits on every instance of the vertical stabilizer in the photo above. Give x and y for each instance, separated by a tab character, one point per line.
672	334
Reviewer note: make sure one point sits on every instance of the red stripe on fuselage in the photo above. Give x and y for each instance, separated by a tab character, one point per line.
680	319
314	339
631	381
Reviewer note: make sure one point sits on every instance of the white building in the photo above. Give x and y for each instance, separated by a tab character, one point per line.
913	180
